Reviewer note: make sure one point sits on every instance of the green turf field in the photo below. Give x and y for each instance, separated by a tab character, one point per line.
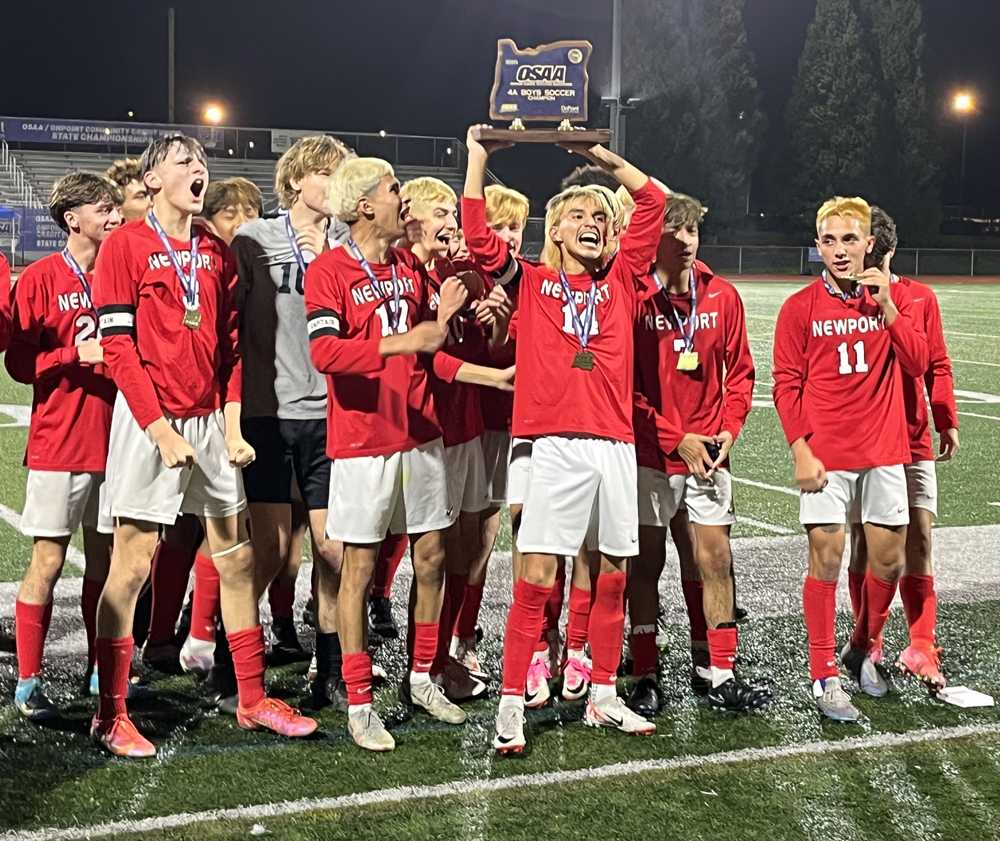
926	781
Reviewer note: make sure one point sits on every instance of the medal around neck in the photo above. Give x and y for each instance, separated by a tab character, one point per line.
687	360
547	83
192	319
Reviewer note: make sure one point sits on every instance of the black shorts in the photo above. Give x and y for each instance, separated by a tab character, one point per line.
287	450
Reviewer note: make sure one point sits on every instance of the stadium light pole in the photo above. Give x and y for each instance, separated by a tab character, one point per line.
615	96
963	103
171	43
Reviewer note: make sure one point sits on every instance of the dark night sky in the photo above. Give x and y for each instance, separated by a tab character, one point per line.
421	67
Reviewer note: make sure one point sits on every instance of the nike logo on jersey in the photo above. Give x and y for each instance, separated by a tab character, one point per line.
714	294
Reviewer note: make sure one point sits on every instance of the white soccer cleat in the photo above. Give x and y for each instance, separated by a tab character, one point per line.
536	690
612	712
368	731
833	701
576	676
197	656
431	698
464	650
509	737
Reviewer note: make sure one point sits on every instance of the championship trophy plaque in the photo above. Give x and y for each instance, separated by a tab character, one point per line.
545	84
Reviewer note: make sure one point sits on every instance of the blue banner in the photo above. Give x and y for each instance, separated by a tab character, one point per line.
548	82
90	133
39	232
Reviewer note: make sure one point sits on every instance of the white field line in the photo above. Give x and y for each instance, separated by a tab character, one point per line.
753	483
972	335
760	524
994	504
463	788
979	396
973	362
984	417
73	555
21	415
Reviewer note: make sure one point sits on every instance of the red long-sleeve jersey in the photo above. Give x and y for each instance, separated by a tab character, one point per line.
71	402
376	406
938	380
552	397
714	397
838	375
498	406
6	320
161	366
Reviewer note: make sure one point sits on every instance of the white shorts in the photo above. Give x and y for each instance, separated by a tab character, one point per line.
875	495
142	487
709	502
921	485
578	485
496	456
466	471
57	503
519	471
401	493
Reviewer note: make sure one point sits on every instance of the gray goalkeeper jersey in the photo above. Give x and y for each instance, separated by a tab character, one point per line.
279	379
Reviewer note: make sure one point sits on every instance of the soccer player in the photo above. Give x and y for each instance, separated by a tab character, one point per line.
55	347
230	204
921	657
693	370
136	199
285	401
574	399
842	348
163	290
365	304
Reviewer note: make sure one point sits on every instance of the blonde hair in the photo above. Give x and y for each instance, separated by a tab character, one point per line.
556	209
850	208
425	191
505	206
354	179
306	155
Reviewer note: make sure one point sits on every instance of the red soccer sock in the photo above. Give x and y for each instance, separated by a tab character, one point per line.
357	672
425	645
390	554
856	586
607	626
31	626
205	599
819	606
878	599
554	604
90	595
171	568
694	595
579	618
247	650
920	606
722	644
642	647
114	659
465	628
281	597
524	623
451	607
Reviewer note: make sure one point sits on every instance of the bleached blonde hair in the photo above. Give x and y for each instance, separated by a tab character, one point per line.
504	205
850	208
354	179
425	191
556	209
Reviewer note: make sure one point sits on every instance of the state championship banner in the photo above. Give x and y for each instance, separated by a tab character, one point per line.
548	82
89	133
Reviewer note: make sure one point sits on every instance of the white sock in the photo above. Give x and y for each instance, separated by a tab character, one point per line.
420	678
358	708
720	676
200	648
576	653
600	692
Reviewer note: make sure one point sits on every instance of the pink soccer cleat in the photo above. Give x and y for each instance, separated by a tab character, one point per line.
275	715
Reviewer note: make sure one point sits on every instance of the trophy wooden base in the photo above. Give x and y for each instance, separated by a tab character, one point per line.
543	135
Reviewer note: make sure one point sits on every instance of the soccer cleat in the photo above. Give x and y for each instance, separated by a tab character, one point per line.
740	613
197	656
309	613
330	692
120	737
220	686
459	684
509	736
701	672
380	618
285	645
164	657
833	701
431	698
368	731
275	715
576	677
868	676
137	688
464	650
612	712
536	689
923	663
735	696
31	701
644	698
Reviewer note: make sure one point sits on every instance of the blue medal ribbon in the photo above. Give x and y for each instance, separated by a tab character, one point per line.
581	326
74	266
294	243
373	282
687	332
188	281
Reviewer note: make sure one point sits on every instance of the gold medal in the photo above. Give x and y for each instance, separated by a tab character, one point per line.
584	360
687	360
192	319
